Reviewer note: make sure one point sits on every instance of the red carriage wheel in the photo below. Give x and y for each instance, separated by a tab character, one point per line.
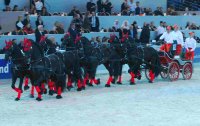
174	71
187	71
164	73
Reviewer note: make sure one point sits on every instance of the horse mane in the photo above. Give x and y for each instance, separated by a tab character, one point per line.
38	46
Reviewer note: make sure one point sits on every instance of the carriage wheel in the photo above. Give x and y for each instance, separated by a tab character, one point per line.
173	71
164	73
147	74
187	71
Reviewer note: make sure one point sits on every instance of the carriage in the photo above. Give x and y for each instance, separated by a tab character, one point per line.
171	68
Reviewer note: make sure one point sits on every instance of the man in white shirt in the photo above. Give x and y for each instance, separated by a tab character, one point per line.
168	39
160	30
132	6
178	37
38	6
190	45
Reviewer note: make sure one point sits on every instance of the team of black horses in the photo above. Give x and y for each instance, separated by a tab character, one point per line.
77	63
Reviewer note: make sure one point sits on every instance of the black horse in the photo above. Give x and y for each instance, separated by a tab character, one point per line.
138	55
44	68
20	66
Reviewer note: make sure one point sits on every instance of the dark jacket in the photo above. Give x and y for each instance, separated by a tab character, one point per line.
97	23
37	23
38	35
90	6
73	33
99	6
145	35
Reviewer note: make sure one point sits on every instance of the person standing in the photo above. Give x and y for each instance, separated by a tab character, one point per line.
178	37
145	34
190	45
94	21
39	32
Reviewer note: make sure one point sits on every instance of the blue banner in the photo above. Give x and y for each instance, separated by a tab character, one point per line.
5	69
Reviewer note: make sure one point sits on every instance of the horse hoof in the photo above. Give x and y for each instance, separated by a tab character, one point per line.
83	87
139	77
58	97
98	81
51	92
120	83
38	99
79	89
90	85
113	81
31	96
87	82
69	88
107	85
150	81
45	91
132	83
17	99
26	87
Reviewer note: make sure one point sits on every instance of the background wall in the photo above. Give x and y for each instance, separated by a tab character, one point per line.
21	4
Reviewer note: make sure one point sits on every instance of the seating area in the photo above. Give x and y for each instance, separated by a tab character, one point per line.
62	15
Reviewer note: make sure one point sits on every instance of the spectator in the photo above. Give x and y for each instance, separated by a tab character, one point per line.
133	31
125	25
152	26
116	25
138	9
99	6
7	2
27	29
86	22
132	6
7	8
187	13
19	24
124	6
145	34
73	32
39	32
15	8
38	6
187	25
45	12
60	29
160	30
91	6
125	12
158	12
33	10
108	6
26	20
78	22
94	22
75	11
39	21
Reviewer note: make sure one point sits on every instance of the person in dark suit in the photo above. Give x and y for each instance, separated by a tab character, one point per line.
108	6
73	32
7	2
94	20
39	21
99	6
138	9
145	34
91	6
39	32
26	20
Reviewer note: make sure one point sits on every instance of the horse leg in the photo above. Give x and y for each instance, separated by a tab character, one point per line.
32	89
26	87
79	85
69	82
120	74
19	90
132	81
85	81
43	89
152	76
39	98
59	91
51	87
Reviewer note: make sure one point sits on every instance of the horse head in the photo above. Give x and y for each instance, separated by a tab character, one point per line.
8	49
